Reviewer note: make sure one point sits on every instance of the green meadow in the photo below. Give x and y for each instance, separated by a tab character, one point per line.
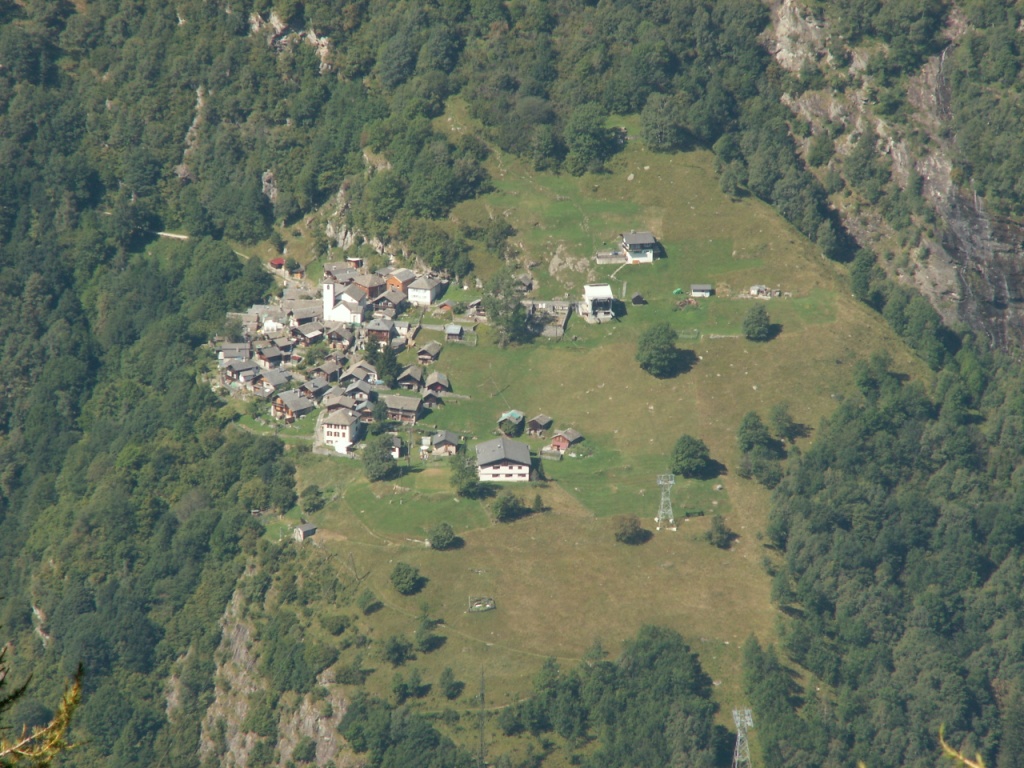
559	578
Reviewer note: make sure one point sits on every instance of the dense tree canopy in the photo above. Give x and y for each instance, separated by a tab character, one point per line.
690	457
656	350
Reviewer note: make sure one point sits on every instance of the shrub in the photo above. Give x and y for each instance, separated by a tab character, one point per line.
405	579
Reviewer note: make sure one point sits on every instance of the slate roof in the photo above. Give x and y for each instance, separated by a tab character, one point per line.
295	401
540	421
638	238
569	434
426	283
402	402
413	372
431	348
502	449
436	377
341	418
276	378
444	437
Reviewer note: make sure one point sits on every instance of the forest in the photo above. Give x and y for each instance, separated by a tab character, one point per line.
895	541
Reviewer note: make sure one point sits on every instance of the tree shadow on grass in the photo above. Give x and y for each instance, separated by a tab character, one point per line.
640	537
713	469
682	361
433	643
456	543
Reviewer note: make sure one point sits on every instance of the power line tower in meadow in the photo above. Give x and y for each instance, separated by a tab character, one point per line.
744	720
665	517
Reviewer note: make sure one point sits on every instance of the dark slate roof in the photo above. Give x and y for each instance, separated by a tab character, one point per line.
444	437
413	372
502	449
569	434
341	418
295	401
427	283
638	238
432	348
402	402
277	378
541	421
435	377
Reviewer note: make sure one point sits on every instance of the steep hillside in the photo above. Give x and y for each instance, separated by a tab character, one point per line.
949	224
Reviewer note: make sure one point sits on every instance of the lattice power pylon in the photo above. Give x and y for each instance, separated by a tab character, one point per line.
665	517
744	720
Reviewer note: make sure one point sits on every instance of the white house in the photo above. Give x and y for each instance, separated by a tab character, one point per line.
423	291
639	247
340	429
503	461
345	306
701	290
598	303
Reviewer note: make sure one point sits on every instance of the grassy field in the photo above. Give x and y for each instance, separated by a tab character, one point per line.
559	579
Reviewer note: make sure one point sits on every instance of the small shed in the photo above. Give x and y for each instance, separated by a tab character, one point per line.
638	299
397	448
511	423
701	290
564	438
438	382
303	532
539	423
428	352
453	332
445	443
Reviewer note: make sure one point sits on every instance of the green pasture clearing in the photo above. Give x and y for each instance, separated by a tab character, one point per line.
560	580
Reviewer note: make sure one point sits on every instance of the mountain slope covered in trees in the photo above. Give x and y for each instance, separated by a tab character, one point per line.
125	497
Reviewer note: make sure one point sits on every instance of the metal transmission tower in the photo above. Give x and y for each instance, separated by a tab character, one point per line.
744	720
665	516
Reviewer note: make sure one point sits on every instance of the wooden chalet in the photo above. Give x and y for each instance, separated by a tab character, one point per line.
539	424
429	352
291	405
445	443
380	330
411	378
403	408
564	438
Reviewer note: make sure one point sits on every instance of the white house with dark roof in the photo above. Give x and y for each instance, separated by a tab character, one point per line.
344	305
423	290
503	461
639	247
340	429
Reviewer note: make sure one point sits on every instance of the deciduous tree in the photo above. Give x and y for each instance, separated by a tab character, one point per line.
690	457
378	463
757	326
656	350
